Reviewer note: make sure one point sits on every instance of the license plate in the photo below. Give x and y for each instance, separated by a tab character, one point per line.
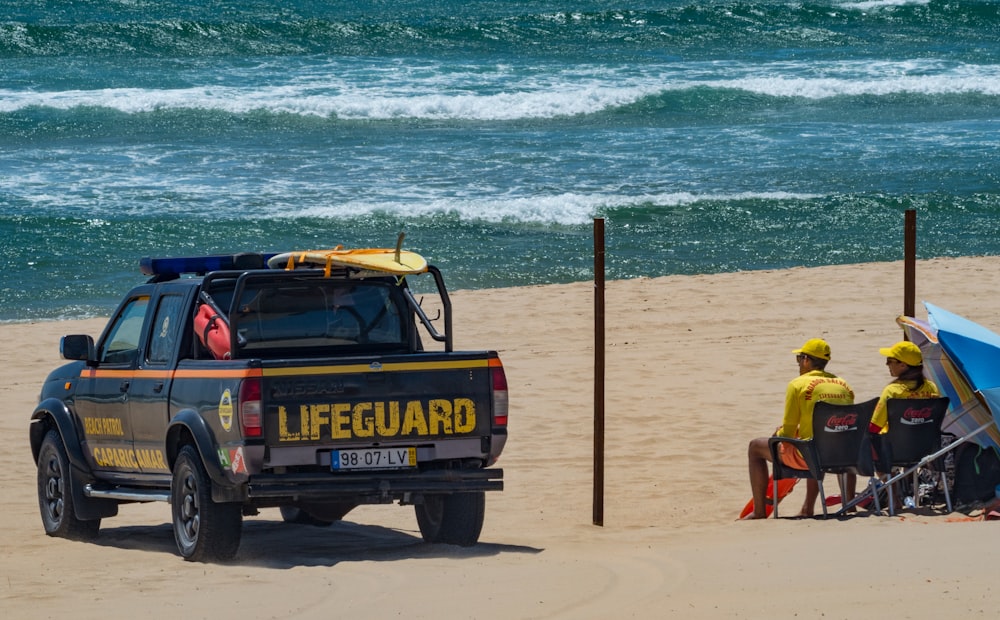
373	458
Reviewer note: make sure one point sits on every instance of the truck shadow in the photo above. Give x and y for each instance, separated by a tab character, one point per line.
279	545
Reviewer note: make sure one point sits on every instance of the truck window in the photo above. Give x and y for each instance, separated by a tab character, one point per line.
122	343
166	325
325	315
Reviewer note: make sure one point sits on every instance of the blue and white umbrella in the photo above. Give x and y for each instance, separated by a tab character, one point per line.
975	352
968	413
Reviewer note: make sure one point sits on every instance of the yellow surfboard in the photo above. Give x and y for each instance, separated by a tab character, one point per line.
384	260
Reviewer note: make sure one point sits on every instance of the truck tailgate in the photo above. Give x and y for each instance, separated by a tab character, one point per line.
438	404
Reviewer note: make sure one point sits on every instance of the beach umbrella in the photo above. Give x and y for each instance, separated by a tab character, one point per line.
957	354
967	414
974	348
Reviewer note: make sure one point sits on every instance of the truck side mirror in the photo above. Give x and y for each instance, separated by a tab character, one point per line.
77	347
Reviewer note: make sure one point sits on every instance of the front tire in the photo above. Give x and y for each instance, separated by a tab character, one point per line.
55	493
204	530
455	519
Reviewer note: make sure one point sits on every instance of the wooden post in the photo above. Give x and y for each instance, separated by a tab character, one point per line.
909	262
599	371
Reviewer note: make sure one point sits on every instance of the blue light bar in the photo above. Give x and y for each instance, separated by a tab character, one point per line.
202	264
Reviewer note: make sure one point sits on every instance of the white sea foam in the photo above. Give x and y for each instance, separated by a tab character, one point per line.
956	83
870	5
143	182
358	104
565	209
442	93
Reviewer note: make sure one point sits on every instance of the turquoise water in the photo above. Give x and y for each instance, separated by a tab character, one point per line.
711	136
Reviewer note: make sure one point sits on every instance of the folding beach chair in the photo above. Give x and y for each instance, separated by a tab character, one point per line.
914	433
840	445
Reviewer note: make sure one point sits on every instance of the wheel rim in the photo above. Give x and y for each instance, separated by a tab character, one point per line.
55	489
188	513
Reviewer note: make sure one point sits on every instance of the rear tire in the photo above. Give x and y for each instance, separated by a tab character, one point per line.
55	493
204	530
455	519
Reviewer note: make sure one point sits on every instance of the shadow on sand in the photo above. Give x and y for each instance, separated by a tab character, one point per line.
280	545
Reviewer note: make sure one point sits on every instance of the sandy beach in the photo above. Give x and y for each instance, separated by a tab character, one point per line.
696	367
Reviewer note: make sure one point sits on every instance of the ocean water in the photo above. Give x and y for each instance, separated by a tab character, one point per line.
711	136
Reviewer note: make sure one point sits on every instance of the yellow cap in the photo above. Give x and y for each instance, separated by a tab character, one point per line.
904	351
816	347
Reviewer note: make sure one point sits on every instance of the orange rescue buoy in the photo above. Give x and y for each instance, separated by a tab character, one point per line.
212	331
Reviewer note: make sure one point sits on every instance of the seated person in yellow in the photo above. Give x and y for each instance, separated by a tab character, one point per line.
812	385
906	365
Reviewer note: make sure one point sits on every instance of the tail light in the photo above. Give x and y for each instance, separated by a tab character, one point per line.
250	417
500	402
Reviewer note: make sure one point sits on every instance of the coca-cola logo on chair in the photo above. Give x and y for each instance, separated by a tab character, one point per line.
914	416
842	423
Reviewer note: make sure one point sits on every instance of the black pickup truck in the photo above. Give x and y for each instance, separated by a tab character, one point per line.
324	399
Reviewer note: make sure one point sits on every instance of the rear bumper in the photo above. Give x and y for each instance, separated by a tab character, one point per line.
368	487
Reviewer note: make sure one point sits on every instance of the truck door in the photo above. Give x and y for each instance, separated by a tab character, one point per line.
102	397
149	405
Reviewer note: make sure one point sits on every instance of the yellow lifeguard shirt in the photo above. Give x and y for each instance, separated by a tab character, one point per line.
802	395
900	389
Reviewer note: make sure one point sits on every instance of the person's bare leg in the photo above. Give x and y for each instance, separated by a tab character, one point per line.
758	455
812	492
